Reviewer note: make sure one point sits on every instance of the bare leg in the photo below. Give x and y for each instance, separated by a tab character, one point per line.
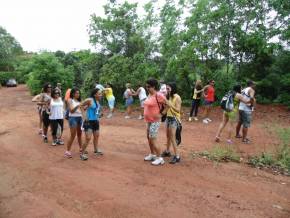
150	144
245	133
155	147
79	135
238	128
73	132
222	126
87	140
172	132
96	140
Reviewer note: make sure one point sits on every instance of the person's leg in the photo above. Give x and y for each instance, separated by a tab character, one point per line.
40	122
239	124
231	127
192	109
96	140
221	127
53	126
46	122
205	116
176	157
88	136
167	153
197	103
73	131
246	124
79	136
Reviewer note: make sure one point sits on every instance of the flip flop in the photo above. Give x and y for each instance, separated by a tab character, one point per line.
246	141
217	139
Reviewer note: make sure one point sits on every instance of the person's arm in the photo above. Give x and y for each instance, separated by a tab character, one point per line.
137	92
244	100
85	104
205	91
71	108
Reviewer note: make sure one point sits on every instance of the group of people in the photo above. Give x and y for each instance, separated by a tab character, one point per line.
161	100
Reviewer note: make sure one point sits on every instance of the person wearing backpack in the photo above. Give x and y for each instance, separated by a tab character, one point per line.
230	114
245	112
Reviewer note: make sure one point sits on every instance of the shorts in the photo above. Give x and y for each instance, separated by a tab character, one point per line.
232	115
75	121
91	126
45	119
245	118
171	122
129	101
152	129
142	102
208	103
111	102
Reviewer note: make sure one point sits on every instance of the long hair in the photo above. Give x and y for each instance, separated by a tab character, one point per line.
237	88
53	93
46	86
173	88
153	83
72	93
93	92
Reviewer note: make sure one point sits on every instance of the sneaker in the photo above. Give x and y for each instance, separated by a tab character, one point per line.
98	152
195	118
59	142
54	142
150	157
166	154
175	160
83	157
158	161
67	154
229	141
140	117
109	116
205	121
209	120
127	117
45	140
189	119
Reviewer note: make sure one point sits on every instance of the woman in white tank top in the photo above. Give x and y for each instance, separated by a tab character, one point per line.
142	97
56	117
75	120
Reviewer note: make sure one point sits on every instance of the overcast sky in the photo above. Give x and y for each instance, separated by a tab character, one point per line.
50	24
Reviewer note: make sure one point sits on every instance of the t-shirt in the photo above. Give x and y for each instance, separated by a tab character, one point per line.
109	93
210	94
142	94
151	108
163	89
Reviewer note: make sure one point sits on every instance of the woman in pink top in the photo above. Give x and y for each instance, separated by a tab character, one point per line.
208	100
152	117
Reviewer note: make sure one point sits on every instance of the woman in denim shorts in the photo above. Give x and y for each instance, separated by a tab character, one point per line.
74	120
128	95
172	121
91	122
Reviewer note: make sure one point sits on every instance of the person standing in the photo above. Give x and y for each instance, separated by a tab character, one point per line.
231	116
152	118
173	119
197	92
91	123
209	93
74	120
110	98
245	112
56	107
163	89
44	102
141	92
128	95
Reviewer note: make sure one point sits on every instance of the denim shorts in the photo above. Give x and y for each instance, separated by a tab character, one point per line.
171	122
152	129
75	121
111	102
245	118
91	126
129	101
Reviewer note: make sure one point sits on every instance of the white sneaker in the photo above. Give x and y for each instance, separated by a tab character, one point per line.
109	116
195	118
127	117
209	120
205	121
158	161
150	157
140	117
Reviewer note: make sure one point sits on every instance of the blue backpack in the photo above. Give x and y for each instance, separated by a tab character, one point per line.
227	102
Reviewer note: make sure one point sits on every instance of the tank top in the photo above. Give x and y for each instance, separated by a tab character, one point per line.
126	94
243	106
78	112
195	94
56	109
45	98
171	112
109	93
210	94
142	94
93	112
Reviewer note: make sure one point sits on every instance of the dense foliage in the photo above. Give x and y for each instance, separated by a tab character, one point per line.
181	40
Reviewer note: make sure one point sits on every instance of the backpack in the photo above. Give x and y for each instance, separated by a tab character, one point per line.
227	102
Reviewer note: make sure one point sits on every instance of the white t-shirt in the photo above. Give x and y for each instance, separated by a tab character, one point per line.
163	89
243	106
56	109
142	94
78	112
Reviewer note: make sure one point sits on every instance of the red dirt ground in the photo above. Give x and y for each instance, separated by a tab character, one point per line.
37	181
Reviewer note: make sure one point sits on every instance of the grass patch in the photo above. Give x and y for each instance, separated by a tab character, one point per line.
219	154
279	161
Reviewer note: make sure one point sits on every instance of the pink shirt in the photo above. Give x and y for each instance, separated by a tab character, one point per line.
210	94
151	108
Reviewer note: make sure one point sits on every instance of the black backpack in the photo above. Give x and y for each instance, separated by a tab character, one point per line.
227	102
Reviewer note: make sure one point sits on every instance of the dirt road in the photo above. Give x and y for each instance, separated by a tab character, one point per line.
37	181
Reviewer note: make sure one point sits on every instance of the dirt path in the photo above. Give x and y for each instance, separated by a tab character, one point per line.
37	181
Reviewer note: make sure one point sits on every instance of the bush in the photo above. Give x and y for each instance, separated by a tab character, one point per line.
4	76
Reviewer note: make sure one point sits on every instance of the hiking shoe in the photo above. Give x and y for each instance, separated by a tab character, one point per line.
209	120
205	121
45	140
54	142
84	157
195	118
150	157
67	154
174	160
166	154
158	161
59	142
98	152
